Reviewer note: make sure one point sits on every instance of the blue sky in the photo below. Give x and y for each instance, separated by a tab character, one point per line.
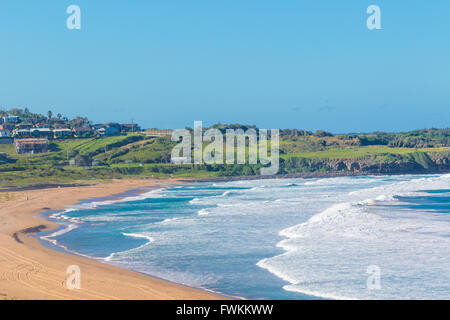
303	64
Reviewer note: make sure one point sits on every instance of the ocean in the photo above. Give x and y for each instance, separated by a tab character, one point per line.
277	239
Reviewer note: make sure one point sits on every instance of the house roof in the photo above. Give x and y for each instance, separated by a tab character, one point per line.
41	129
62	130
83	129
31	141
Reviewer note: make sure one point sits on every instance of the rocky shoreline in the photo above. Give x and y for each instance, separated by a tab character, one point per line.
433	164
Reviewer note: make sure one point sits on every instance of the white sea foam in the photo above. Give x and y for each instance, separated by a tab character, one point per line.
331	230
327	255
203	212
133	235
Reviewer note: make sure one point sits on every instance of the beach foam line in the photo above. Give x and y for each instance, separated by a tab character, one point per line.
132	235
170	220
294	288
95	204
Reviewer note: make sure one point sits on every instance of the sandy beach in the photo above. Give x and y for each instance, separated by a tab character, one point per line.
29	270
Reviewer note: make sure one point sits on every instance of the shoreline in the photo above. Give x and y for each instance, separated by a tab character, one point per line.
135	192
26	261
30	270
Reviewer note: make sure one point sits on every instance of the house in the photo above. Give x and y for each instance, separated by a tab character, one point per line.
24	125
42	125
7	126
98	126
108	131
62	133
21	133
5	137
129	127
31	145
41	133
11	119
59	126
5	133
82	131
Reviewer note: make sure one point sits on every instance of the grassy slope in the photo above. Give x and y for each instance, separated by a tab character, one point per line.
134	155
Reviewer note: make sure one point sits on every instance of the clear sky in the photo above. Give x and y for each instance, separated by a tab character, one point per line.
273	63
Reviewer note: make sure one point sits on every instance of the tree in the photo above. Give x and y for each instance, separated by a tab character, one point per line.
49	114
59	115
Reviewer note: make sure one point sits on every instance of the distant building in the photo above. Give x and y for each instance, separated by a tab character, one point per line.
5	137
11	119
5	133
41	133
82	131
62	133
129	127
31	145
42	125
24	125
108	131
21	133
7	126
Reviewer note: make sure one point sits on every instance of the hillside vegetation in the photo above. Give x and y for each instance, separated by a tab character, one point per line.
136	155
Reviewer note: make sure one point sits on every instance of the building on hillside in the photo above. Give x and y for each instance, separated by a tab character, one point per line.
59	126
108	131
82	131
62	133
98	126
7	126
5	137
31	145
42	125
11	119
21	133
41	133
130	127
5	133
24	125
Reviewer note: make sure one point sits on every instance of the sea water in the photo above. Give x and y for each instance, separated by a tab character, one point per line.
278	239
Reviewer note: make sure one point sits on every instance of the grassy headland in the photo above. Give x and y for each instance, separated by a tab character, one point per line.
135	155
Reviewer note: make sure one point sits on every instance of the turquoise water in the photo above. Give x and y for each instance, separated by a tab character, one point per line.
277	239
